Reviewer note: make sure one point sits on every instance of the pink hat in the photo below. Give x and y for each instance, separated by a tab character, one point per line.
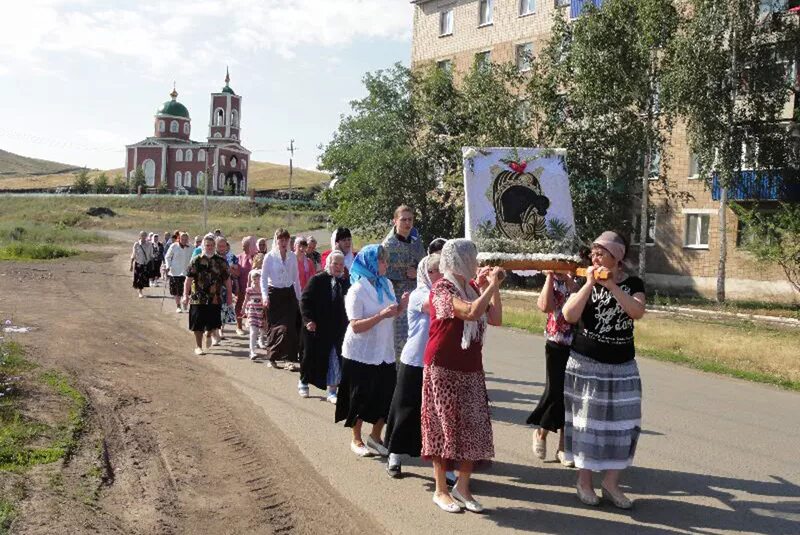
611	242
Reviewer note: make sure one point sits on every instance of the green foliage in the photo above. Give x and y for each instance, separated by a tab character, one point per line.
101	183
82	182
594	90
7	514
162	188
120	185
775	237
138	180
34	251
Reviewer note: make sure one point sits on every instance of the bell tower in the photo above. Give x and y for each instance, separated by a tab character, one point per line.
225	120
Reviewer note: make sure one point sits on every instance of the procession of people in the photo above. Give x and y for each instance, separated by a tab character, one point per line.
394	334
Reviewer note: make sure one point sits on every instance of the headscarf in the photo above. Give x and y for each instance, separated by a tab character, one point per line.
340	234
460	259
365	266
611	242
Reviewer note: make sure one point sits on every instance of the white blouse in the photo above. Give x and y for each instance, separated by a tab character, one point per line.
178	259
375	346
142	252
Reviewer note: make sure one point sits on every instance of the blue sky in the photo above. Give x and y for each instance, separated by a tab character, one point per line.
84	77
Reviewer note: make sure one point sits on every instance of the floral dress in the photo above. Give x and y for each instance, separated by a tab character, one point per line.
229	312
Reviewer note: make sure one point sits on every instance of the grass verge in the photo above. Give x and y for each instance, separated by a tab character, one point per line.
737	348
7	513
34	251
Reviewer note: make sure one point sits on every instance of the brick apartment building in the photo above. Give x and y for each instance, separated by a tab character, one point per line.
683	238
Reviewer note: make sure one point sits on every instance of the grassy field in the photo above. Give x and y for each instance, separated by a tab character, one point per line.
261	175
15	165
63	220
756	352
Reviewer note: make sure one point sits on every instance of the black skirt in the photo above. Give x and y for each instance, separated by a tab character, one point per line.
204	318
176	285
141	276
365	392
403	427
282	324
549	413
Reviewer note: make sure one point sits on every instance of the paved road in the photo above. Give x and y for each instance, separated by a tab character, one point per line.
718	455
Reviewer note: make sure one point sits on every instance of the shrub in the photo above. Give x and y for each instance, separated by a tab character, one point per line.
35	251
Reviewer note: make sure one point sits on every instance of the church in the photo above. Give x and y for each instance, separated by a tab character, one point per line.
169	157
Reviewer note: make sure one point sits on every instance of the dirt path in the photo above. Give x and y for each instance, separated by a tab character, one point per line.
181	450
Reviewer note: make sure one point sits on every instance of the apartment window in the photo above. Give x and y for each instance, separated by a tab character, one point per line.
526	7
747	235
485	12
483	59
655	164
562	3
445	65
446	22
524	56
651	228
694	165
696	231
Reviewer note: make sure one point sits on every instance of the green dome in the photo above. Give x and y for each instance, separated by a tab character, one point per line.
227	89
173	107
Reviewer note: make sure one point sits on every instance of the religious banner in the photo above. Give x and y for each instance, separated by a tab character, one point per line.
518	206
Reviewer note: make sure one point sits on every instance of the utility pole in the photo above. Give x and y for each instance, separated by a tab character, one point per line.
291	171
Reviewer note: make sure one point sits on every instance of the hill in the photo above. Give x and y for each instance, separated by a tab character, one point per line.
14	165
20	172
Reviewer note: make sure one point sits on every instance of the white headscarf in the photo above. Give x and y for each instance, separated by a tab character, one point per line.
460	261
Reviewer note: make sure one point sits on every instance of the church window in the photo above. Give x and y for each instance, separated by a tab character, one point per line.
162	126
201	156
221	180
244	163
189	155
201	177
233	136
217	134
173	127
177	179
149	168
179	155
222	159
187	179
219	117
186	128
234	161
234	118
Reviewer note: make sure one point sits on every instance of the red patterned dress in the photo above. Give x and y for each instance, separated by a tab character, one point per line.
456	424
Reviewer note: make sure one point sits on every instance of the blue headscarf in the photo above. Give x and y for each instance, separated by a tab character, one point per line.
365	266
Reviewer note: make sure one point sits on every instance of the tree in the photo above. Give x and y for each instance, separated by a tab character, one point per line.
402	144
101	183
82	183
595	89
138	180
120	185
726	76
774	237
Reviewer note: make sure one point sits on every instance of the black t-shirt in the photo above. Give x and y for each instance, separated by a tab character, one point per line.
605	331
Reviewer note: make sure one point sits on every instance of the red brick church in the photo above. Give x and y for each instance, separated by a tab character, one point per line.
170	157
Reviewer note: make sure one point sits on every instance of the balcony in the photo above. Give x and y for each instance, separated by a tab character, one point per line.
576	7
760	186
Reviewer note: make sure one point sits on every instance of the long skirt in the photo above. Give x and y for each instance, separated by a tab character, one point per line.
403	427
176	286
141	276
603	413
456	423
365	392
281	329
204	318
549	413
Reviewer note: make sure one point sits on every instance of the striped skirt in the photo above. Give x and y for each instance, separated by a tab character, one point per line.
603	413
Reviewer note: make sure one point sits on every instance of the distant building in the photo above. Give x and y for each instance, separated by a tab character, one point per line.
170	157
682	239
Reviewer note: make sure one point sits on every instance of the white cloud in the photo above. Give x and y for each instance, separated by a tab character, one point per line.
159	35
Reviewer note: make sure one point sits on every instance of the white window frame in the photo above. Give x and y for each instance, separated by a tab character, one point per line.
174	128
178	179
189	155
201	155
221	181
200	177
222	159
446	22
234	161
149	178
162	126
527	7
186	128
693	158
244	163
562	3
517	52
637	225
485	13
699	213
654	173
187	179
179	155
235	118
484	54
217	134
219	117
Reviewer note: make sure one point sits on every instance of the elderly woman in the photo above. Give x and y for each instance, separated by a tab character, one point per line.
206	277
405	252
368	361
602	388
403	433
245	259
324	325
456	426
141	262
280	289
313	254
158	259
